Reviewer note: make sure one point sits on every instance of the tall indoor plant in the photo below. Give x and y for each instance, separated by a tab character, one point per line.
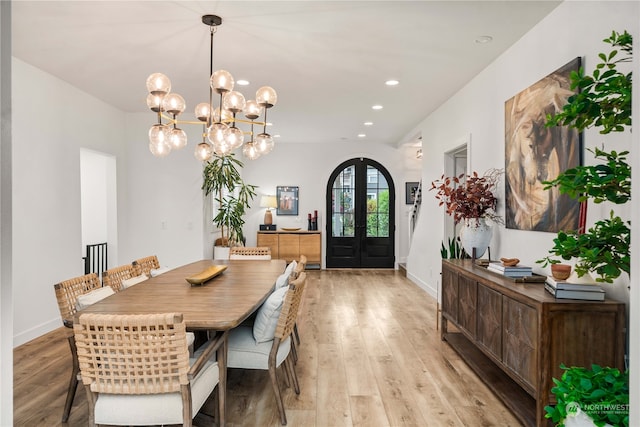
470	199
221	176
604	101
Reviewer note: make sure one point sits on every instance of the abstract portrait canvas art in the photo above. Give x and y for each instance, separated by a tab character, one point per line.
535	153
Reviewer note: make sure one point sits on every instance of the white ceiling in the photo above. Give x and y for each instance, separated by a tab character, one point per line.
328	61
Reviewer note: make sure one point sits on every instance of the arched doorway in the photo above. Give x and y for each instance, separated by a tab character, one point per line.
360	216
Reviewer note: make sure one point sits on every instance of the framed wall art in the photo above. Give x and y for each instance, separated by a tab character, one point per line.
410	192
535	153
287	199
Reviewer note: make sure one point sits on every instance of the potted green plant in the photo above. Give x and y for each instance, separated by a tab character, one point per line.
221	176
604	100
597	396
470	199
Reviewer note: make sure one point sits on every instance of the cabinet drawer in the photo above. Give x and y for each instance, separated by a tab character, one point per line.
490	320
520	340
467	303
310	246
271	241
289	247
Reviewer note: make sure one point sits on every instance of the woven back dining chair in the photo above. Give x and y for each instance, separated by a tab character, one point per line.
250	253
136	369
67	293
145	265
246	352
114	277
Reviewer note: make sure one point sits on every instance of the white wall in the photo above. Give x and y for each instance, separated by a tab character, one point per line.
51	122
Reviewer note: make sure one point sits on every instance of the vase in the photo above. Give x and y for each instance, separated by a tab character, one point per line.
475	233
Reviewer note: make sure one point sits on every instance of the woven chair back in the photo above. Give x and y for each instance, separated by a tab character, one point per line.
68	291
113	277
132	354
245	252
290	306
145	265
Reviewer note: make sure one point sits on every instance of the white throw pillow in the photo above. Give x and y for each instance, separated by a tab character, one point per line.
264	327
282	281
290	268
93	297
127	283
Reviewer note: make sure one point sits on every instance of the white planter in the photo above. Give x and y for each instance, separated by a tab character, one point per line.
580	419
475	233
221	252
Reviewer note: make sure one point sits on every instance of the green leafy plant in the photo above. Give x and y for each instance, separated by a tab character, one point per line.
221	176
605	97
602	393
453	249
604	100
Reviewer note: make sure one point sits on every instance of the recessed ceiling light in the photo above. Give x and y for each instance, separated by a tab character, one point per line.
362	135
484	39
377	107
368	123
276	136
242	82
391	82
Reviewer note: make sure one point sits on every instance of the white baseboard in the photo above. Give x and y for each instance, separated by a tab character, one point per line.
35	332
425	286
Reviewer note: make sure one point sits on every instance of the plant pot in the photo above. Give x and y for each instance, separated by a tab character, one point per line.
221	252
475	233
560	271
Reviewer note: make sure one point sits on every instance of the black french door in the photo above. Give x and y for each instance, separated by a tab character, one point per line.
361	216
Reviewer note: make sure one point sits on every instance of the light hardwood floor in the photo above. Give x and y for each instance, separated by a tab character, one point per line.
370	356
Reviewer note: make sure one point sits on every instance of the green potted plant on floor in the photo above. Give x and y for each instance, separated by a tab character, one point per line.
232	196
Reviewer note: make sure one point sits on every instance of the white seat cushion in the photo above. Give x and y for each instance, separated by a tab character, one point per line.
244	352
150	409
127	283
158	271
264	327
282	281
93	297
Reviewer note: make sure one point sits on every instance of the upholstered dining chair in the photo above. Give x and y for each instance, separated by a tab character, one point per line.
145	265
267	345
250	253
136	369
67	293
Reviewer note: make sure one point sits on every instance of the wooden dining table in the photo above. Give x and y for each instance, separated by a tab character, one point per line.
219	304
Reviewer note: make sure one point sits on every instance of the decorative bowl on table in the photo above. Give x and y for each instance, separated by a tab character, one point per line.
290	229
205	275
560	271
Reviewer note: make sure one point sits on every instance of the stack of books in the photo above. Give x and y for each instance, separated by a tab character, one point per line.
567	290
510	271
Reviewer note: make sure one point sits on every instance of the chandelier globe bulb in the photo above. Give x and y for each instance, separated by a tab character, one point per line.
252	110
173	104
158	84
177	138
266	97
154	102
250	151
221	81
203	111
216	133
203	152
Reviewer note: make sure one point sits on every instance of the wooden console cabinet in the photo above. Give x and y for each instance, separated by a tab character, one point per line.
289	245
516	335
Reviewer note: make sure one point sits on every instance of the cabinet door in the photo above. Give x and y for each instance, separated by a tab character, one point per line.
467	303
311	246
289	246
520	340
450	294
490	320
270	240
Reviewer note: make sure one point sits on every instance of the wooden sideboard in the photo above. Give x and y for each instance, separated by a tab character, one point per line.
289	245
516	335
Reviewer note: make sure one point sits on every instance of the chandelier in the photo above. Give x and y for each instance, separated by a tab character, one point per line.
220	134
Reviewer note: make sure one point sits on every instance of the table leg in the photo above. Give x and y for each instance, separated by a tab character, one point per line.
222	383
